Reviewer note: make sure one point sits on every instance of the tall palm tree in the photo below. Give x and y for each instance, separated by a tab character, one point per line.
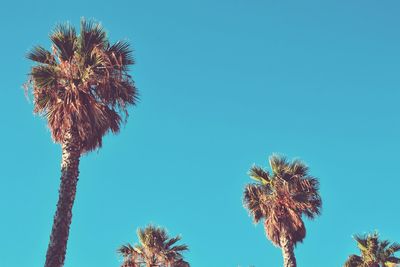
83	89
155	248
374	253
281	198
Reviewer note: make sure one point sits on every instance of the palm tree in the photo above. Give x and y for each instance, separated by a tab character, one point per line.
83	89
374	253
281	198
155	248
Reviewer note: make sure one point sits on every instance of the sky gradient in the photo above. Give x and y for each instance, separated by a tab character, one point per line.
223	85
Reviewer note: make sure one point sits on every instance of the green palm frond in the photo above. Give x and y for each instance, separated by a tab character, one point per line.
395	247
259	174
297	167
141	235
41	55
391	264
373	245
121	53
179	248
92	35
384	244
354	261
361	242
392	260
64	40
278	163
125	250
181	263
254	203
45	76
172	241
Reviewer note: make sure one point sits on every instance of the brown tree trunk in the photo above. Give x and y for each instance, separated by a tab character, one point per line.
62	219
289	260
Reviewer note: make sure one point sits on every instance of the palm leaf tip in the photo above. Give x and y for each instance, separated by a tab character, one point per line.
40	55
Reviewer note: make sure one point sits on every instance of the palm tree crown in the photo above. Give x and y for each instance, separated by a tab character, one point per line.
374	253
282	197
155	248
82	83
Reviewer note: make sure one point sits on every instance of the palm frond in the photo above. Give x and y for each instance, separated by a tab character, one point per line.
259	174
179	248
384	244
92	35
125	250
255	200
172	241
181	263
121	54
361	242
297	167
278	163
395	247
44	76
393	259
64	40
41	55
353	261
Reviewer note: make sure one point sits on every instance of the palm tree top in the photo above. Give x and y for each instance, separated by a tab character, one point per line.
374	252
82	83
155	247
281	197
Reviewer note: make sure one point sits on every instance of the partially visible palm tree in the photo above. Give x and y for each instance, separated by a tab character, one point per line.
374	252
281	198
83	89
155	248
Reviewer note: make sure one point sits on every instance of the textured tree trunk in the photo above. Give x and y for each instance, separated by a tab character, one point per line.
62	219
289	260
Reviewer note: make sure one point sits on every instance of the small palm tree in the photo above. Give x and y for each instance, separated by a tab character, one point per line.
82	87
155	248
281	198
374	253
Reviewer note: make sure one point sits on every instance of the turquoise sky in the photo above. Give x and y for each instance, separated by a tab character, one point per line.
223	85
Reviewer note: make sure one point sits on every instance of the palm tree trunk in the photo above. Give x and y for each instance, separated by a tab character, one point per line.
289	260
62	219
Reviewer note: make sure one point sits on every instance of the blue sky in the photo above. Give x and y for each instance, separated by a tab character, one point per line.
223	85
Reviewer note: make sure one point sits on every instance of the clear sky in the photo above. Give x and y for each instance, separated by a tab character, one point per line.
223	85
